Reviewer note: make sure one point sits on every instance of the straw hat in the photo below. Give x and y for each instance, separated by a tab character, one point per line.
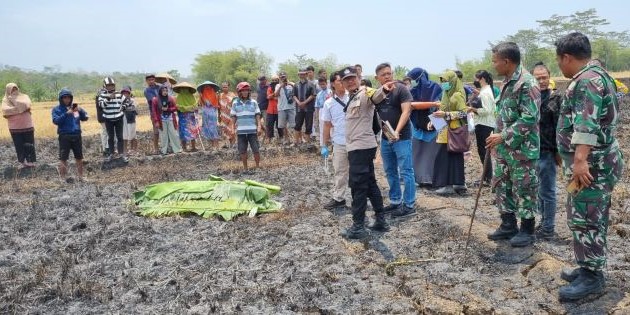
184	85
213	85
162	77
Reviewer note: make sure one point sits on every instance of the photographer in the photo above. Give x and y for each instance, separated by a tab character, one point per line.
286	107
68	117
111	102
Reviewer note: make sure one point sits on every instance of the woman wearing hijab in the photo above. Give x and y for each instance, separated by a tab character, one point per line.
164	117
225	100
16	108
209	104
449	166
186	109
426	95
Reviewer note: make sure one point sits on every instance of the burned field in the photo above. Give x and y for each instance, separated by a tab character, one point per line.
80	247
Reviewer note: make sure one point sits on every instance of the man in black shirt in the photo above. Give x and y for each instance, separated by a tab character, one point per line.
262	100
396	149
549	158
304	99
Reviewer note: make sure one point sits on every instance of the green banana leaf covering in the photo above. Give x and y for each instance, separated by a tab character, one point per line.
214	197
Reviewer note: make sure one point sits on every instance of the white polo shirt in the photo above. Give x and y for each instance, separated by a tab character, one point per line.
333	112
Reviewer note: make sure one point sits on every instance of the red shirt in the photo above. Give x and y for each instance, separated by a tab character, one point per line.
272	108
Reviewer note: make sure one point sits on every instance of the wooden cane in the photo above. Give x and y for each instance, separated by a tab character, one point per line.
486	162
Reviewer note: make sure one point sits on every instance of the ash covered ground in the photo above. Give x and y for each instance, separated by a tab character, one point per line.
80	248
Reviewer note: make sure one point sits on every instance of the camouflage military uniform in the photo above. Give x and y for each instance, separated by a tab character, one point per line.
589	115
515	180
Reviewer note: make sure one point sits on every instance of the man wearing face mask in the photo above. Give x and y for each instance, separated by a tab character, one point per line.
517	144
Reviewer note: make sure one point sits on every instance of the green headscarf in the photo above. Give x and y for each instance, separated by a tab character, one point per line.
456	86
186	102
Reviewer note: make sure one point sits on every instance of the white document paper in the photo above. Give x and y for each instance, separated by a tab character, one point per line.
438	122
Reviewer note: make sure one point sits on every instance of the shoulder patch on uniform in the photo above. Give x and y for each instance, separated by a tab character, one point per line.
370	91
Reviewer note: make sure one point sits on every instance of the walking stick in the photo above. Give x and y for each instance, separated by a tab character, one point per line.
197	117
486	161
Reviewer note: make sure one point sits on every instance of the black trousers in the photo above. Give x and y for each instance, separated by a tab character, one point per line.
24	142
115	128
481	134
306	119
272	122
448	168
362	183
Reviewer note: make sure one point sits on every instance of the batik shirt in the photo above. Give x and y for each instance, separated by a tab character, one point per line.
518	114
589	115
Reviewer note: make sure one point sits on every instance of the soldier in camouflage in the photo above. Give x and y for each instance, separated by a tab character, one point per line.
591	158
517	147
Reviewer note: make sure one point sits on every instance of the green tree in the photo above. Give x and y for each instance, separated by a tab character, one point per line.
470	67
400	72
234	65
291	66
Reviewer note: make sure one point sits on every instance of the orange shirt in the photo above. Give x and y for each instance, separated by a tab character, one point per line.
272	108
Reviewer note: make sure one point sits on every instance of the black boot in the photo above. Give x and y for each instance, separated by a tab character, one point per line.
356	231
569	275
380	224
525	236
588	282
507	229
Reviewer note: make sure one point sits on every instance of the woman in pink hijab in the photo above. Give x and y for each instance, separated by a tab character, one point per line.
16	108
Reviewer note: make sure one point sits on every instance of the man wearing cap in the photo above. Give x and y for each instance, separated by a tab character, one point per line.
261	99
334	132
304	98
111	102
361	146
286	107
152	90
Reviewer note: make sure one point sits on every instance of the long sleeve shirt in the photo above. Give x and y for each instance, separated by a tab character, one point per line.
589	116
517	123
486	114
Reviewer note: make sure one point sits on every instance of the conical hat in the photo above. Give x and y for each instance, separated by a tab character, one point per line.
184	85
213	85
162	77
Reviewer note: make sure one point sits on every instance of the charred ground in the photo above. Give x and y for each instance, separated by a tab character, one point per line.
80	248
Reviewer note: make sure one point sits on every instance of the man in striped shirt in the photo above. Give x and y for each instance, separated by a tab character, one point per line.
112	104
246	116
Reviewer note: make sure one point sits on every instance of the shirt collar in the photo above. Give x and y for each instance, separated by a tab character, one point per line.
516	75
587	66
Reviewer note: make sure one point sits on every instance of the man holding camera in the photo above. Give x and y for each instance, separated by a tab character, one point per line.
286	107
68	117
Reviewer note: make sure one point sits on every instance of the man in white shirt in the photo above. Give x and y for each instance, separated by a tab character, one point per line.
334	119
286	107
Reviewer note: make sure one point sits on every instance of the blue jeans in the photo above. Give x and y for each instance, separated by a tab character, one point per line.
547	189
397	155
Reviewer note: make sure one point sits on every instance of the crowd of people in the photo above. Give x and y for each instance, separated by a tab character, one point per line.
421	130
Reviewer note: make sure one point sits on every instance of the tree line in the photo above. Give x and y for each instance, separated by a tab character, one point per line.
246	64
612	47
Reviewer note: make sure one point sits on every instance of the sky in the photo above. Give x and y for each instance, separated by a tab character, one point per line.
159	35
